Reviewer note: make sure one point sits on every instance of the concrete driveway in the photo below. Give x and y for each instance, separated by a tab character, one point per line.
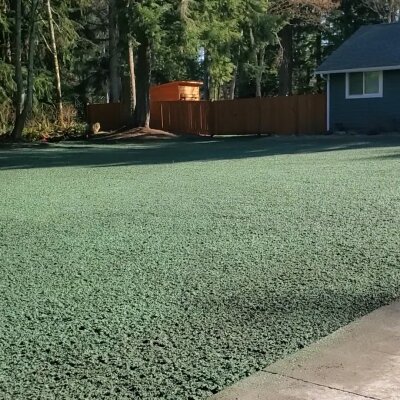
360	361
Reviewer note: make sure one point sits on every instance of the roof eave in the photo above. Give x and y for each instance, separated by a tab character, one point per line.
360	69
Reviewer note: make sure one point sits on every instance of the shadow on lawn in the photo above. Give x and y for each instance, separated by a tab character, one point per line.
179	150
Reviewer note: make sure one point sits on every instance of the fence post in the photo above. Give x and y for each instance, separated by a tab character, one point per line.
161	109
259	116
212	124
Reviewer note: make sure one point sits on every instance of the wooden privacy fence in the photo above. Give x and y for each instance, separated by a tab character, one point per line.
111	116
303	114
193	117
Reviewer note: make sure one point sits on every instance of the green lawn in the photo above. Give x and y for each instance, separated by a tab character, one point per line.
170	270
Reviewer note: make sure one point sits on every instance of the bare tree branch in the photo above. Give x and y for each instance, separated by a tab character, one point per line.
387	10
306	10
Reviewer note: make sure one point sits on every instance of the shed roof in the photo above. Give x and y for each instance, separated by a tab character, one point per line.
372	46
181	83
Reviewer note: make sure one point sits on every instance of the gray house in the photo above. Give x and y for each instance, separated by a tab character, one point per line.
363	81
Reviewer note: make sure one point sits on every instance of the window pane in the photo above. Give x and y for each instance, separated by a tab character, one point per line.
372	82
356	83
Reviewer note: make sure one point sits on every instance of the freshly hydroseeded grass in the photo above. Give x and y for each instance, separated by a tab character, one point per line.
170	270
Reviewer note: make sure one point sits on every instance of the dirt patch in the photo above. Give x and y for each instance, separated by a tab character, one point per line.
134	134
131	135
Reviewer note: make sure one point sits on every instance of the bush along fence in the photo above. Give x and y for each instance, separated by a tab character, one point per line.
303	114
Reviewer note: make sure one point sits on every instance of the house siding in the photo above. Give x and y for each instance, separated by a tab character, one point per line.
369	114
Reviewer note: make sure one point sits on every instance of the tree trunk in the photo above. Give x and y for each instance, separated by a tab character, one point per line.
213	89
8	51
258	62
57	74
5	42
143	76
27	106
318	59
132	73
260	58
258	84
393	11
232	85
394	15
286	67
18	101
206	76
113	53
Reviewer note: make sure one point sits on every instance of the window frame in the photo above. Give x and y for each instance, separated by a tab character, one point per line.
364	95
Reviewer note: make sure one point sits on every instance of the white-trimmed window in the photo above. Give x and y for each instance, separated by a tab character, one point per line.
364	84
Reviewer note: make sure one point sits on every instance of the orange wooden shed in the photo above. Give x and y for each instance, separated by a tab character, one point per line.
176	91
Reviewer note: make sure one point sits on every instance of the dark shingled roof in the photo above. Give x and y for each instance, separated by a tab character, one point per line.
371	46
